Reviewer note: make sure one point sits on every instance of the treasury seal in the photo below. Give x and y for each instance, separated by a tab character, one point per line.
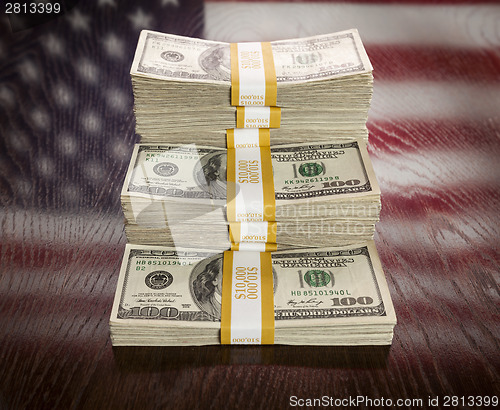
172	56
317	278
159	279
310	169
165	169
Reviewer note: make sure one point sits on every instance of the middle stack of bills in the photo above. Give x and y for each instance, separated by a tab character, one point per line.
175	195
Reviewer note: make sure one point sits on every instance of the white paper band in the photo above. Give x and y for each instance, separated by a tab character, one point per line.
246	138
249	201
257	117
255	232
251	247
252	74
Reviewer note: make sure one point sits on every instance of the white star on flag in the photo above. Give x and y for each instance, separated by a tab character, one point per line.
140	20
109	2
40	118
79	21
63	95
53	44
170	2
7	97
113	46
29	71
91	122
88	71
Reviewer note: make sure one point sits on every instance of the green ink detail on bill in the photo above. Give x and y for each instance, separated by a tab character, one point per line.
317	278
310	169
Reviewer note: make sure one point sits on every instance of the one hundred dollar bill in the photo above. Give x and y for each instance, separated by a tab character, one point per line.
302	172
326	287
177	58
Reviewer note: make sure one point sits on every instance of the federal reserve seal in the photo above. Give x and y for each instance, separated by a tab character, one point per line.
311	169
165	169
172	56
159	279
317	278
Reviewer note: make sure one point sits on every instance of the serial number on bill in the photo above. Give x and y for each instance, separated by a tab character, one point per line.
32	8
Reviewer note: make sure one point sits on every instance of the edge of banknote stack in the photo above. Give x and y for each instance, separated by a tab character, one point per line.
267	241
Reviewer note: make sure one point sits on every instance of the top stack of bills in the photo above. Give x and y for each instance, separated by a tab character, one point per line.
182	88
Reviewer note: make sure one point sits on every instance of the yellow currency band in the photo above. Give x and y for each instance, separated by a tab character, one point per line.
271	83
235	74
227	285
268	182
231	184
267	281
274	120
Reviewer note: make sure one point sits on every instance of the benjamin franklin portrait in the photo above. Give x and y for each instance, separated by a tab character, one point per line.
216	61
207	288
212	175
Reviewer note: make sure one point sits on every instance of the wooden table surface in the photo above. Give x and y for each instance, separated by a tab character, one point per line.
66	135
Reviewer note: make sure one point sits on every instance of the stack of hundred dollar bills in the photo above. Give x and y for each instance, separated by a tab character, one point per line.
330	296
182	89
329	286
326	193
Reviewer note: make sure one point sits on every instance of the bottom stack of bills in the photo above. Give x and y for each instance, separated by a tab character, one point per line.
328	296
